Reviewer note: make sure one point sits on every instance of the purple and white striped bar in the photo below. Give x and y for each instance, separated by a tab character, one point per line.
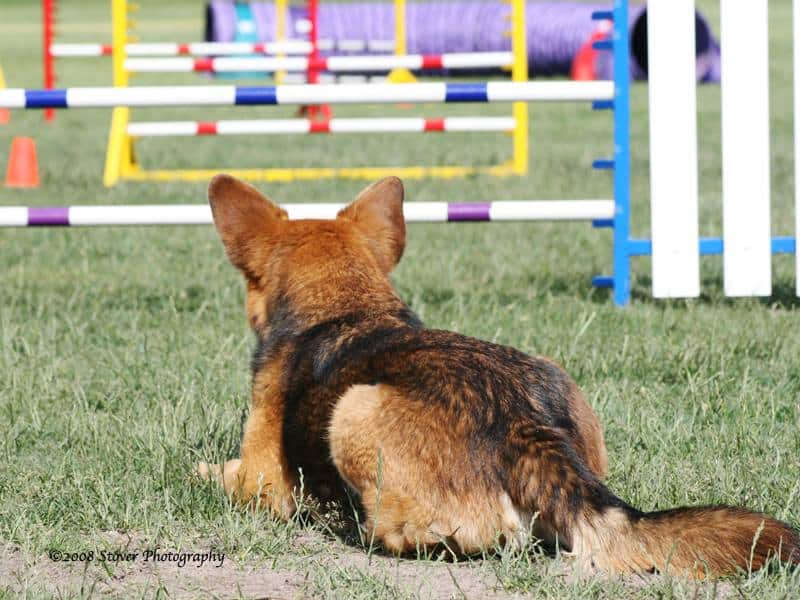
334	64
378	93
191	49
200	214
306	126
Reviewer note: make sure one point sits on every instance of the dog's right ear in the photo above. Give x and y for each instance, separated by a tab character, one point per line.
246	221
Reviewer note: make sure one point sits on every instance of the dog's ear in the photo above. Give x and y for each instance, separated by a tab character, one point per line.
378	211
246	221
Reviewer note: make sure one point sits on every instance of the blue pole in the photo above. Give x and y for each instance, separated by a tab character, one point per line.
622	155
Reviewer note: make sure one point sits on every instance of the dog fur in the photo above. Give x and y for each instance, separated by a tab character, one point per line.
445	439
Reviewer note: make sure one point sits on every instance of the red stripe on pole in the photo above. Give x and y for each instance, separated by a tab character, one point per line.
107	50
203	64
259	48
184	49
432	61
320	127
318	63
434	124
206	128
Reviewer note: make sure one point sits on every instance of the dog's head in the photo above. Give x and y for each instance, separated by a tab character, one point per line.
317	265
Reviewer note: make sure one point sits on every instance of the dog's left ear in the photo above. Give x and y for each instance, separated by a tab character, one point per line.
378	211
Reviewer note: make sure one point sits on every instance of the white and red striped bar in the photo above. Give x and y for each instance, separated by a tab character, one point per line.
378	93
327	45
190	49
200	214
334	64
302	126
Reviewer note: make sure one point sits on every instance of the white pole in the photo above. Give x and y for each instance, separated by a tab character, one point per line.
796	11
747	255
673	148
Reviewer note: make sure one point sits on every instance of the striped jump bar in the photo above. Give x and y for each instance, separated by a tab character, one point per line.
294	126
191	49
334	64
376	93
200	214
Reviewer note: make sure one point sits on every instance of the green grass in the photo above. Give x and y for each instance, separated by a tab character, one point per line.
124	352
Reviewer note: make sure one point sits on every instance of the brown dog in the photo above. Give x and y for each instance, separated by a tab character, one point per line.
445	438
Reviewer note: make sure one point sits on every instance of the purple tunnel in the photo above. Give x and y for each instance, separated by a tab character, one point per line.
556	31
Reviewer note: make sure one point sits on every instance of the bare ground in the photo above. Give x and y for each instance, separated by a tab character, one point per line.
315	575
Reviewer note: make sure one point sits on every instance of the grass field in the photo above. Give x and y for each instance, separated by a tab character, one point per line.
124	352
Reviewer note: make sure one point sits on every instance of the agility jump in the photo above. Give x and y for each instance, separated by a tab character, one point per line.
604	95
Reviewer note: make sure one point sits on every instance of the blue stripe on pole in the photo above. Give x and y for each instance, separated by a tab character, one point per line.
45	98
256	95
466	92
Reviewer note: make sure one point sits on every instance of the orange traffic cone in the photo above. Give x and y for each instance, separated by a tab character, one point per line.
23	170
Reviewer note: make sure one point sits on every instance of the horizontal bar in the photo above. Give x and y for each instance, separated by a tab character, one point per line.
306	126
345	45
603	164
603	281
603	223
379	93
603	105
335	64
603	15
200	214
191	49
603	45
713	246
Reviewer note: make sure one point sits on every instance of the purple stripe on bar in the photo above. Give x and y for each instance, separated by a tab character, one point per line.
464	211
48	216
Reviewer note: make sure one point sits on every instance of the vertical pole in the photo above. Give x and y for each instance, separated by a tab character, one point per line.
747	256
400	48
47	52
622	158
280	33
119	152
315	111
400	75
796	8
519	72
673	148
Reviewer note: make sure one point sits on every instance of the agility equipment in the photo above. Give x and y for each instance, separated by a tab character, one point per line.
23	168
190	49
556	31
414	212
299	126
5	114
387	93
747	246
605	95
315	100
337	64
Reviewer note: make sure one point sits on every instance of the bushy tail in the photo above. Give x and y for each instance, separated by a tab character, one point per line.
702	541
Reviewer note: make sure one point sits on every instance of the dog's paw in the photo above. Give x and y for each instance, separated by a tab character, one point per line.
224	475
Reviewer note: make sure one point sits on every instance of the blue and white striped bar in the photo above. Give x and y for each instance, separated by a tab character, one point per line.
200	214
380	93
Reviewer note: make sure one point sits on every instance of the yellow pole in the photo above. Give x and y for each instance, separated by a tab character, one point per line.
280	32
519	72
400	48
119	152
